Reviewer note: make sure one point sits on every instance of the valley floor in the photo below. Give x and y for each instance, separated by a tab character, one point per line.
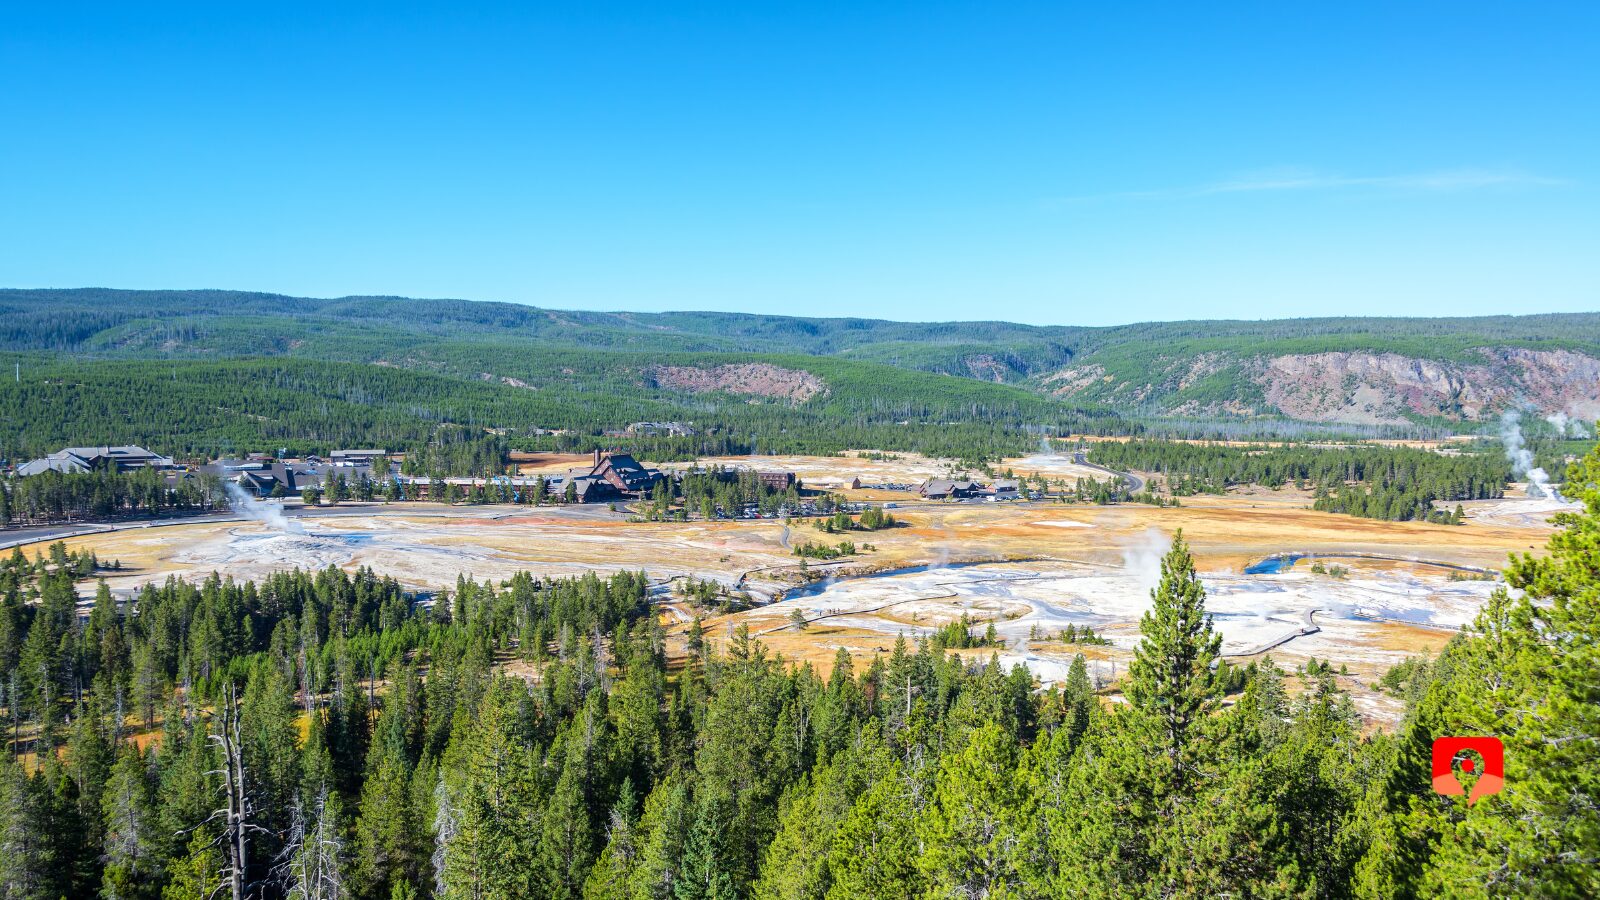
1030	568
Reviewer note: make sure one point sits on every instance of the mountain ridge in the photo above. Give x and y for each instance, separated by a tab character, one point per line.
1351	370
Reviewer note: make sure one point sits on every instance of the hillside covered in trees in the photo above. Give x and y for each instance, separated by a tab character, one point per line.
193	406
1351	372
322	735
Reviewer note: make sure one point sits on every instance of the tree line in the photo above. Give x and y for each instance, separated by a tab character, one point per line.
57	496
1395	483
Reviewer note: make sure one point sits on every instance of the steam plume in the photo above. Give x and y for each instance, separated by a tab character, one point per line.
1567	426
268	514
1521	457
1142	558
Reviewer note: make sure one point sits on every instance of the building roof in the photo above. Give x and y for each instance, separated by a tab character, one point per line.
86	459
587	489
622	462
628	474
943	486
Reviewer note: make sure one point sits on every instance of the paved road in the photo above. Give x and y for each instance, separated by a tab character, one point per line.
1135	483
16	537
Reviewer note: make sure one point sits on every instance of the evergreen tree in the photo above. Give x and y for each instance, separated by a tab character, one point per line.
492	853
567	843
27	856
390	845
608	880
197	873
663	834
1170	679
1526	672
874	854
971	833
133	857
270	757
1080	699
710	866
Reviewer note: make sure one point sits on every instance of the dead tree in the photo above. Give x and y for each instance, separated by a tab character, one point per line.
235	814
310	867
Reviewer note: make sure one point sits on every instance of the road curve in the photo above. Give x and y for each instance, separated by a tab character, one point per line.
1135	483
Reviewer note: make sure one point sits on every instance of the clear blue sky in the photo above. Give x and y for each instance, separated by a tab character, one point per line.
1060	163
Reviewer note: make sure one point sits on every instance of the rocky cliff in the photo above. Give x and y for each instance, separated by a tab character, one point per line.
1353	387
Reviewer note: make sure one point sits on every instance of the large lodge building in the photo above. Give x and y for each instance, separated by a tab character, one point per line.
96	459
611	476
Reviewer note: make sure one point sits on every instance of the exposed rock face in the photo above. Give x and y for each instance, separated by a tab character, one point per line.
1352	387
1200	367
748	379
1370	388
986	367
1074	379
1554	380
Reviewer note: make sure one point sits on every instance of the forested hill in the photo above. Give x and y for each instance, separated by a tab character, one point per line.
1369	371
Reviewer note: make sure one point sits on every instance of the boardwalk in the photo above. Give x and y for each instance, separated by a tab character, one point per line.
1310	627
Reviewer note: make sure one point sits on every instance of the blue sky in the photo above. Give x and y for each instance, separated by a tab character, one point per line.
1058	163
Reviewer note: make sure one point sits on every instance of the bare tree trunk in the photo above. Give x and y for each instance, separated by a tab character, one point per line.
236	813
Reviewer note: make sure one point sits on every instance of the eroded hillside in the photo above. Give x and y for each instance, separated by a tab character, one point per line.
1353	387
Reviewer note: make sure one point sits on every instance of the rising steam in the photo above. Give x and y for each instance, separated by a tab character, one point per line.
268	514
1567	426
1142	558
1521	457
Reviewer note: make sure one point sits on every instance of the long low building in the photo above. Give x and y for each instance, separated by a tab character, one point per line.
611	476
96	459
949	489
263	475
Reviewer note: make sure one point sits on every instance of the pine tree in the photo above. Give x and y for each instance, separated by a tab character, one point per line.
133	861
663	832
567	845
1261	717
197	873
270	756
40	667
1080	700
1526	673
1169	678
874	854
82	774
791	869
492	853
27	856
390	846
608	879
707	868
971	833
